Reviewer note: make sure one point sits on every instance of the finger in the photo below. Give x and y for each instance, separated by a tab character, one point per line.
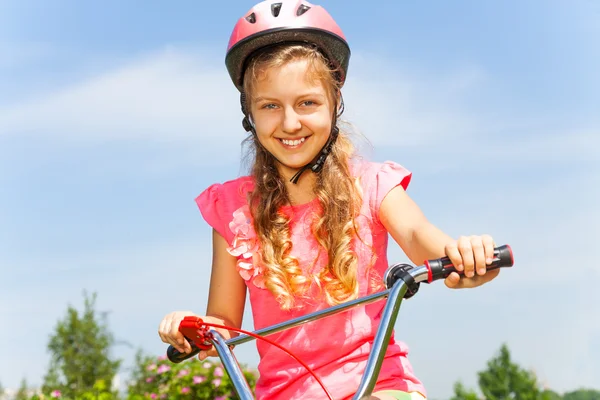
453	280
488	247
187	347
466	252
174	331
177	339
202	355
454	255
477	280
161	331
164	331
478	254
491	275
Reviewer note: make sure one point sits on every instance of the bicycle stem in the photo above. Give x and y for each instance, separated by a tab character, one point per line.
386	327
240	384
382	338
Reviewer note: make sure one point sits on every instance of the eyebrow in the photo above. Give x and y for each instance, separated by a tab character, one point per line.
303	95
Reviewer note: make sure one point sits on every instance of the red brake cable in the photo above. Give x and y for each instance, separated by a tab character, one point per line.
195	329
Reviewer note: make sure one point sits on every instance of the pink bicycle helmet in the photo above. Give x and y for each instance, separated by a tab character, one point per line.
272	22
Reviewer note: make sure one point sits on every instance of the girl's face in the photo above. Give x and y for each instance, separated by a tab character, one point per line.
292	115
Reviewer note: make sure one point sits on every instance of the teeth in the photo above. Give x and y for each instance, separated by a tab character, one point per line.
292	142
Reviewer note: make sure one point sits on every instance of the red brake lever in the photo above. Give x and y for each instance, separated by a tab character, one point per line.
194	329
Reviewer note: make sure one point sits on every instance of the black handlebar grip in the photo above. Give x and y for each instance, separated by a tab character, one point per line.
176	357
442	267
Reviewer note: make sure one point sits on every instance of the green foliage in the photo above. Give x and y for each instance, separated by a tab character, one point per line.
550	395
582	394
461	393
80	363
22	392
98	392
504	379
158	378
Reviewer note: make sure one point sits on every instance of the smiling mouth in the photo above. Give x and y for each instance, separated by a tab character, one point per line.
293	143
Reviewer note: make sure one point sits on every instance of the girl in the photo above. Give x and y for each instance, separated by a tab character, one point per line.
308	228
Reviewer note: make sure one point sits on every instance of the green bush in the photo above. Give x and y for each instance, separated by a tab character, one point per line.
100	391
191	379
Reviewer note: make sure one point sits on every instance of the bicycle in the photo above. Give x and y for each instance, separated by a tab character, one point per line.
402	281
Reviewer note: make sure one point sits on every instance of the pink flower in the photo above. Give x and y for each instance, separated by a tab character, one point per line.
206	365
163	396
218	371
216	382
153	396
151	367
55	393
221	398
245	247
148	380
198	379
163	368
183	372
163	357
185	390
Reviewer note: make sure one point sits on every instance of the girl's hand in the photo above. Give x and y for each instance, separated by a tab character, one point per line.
168	331
472	255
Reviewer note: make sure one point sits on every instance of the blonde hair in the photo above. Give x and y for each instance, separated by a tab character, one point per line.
336	190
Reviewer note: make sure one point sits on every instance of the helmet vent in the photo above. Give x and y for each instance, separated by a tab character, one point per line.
251	18
275	8
302	9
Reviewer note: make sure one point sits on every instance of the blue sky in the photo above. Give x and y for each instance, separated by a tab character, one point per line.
114	116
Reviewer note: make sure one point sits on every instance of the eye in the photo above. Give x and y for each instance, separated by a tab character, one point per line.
308	103
268	106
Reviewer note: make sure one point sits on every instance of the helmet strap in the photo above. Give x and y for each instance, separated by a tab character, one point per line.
316	165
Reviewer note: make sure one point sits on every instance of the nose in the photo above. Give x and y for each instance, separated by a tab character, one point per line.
291	121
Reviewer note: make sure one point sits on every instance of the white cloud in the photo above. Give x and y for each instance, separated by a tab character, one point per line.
170	96
396	107
178	99
176	96
175	109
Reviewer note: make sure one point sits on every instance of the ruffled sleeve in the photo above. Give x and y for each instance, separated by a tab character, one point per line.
213	209
219	202
386	177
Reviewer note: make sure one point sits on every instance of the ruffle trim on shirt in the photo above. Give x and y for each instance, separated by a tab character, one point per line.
245	247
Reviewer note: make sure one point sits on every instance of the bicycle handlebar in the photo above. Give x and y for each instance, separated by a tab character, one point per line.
442	267
430	271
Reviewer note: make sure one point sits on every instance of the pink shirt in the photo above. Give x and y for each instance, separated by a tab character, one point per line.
336	347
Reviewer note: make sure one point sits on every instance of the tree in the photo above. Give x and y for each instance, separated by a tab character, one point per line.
582	394
504	379
551	395
1	390
461	393
80	359
22	392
